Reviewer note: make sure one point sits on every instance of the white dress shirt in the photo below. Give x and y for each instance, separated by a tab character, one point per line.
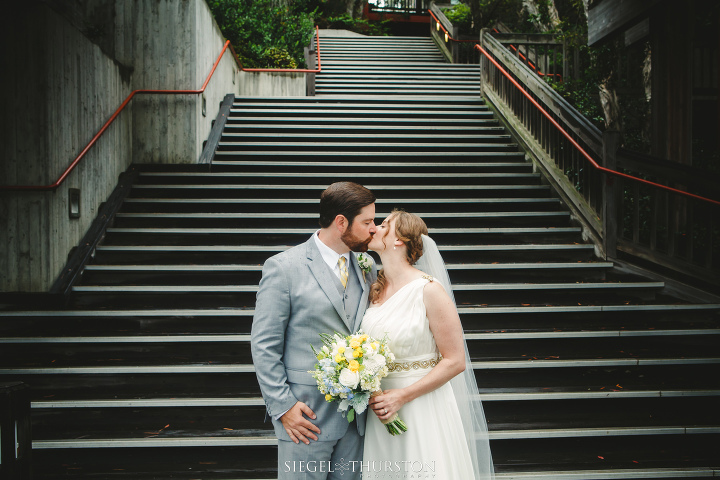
331	257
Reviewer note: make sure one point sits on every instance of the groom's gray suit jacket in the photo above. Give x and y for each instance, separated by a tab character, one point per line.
299	298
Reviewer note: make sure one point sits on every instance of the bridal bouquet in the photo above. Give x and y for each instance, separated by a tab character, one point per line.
349	370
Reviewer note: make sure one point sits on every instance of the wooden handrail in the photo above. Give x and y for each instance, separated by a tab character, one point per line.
450	37
448	34
81	155
530	63
567	135
577	145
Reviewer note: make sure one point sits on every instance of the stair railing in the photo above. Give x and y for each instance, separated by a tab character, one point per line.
538	51
402	7
93	141
658	211
652	209
448	38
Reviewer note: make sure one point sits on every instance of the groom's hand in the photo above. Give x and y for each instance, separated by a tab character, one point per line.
297	426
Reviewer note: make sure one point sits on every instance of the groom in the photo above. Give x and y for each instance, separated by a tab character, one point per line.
315	287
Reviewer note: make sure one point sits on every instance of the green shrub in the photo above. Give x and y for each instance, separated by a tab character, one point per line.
460	16
260	31
358	25
278	58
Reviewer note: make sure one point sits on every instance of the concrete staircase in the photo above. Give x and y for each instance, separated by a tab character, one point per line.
391	66
585	373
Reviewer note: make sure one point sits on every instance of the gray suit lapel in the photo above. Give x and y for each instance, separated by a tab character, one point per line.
319	269
364	282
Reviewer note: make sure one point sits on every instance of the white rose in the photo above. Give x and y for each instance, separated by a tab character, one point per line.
374	363
349	378
379	359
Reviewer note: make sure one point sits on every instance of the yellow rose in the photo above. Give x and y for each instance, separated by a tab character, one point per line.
328	398
341	349
357	353
364	337
339	358
355	343
354	366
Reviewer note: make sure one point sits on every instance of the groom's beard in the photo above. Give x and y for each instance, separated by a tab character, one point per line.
354	243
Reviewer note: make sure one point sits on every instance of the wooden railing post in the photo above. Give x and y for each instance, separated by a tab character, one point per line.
610	195
455	46
482	62
15	432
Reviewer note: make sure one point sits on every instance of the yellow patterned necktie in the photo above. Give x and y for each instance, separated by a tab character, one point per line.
343	271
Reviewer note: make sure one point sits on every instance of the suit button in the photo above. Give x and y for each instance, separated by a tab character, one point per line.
348	317
346	297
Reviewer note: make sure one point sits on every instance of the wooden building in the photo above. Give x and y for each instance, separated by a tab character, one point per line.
683	38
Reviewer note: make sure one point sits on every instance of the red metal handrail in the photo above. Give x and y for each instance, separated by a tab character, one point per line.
94	140
578	147
71	167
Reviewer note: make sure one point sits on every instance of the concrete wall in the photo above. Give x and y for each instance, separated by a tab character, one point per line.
267	84
68	65
59	89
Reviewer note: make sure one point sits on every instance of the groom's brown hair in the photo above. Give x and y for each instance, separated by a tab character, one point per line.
343	198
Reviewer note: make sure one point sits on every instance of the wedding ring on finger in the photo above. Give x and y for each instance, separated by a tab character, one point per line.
385	410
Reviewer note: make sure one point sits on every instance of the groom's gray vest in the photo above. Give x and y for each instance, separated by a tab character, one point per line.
299	298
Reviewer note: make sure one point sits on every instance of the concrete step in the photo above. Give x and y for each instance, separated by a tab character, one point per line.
208	274
230	254
307	205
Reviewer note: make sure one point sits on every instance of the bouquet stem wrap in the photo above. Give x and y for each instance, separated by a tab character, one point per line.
394	424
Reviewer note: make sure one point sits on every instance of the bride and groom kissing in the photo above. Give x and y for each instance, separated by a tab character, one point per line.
319	287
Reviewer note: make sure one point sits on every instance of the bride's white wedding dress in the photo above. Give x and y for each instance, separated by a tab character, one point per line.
435	444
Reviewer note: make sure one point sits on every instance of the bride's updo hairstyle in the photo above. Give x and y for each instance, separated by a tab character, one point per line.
409	228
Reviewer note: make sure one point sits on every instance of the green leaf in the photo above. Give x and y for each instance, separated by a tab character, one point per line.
350	415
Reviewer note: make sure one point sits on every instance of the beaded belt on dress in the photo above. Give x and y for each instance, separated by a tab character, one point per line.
416	365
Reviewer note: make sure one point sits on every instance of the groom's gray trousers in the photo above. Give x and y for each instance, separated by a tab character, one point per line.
342	458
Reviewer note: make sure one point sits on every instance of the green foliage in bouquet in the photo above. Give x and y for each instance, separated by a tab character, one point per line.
265	34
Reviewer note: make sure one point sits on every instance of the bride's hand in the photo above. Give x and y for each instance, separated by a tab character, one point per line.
387	403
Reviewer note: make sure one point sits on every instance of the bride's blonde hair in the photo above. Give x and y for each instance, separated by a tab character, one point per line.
409	228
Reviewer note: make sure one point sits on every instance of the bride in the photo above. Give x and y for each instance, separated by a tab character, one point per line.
431	384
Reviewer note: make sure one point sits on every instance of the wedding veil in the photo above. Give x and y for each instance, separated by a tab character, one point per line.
464	385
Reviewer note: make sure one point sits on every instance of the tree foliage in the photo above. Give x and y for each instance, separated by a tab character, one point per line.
265	34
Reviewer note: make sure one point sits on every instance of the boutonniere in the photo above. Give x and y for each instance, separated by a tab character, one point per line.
365	263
